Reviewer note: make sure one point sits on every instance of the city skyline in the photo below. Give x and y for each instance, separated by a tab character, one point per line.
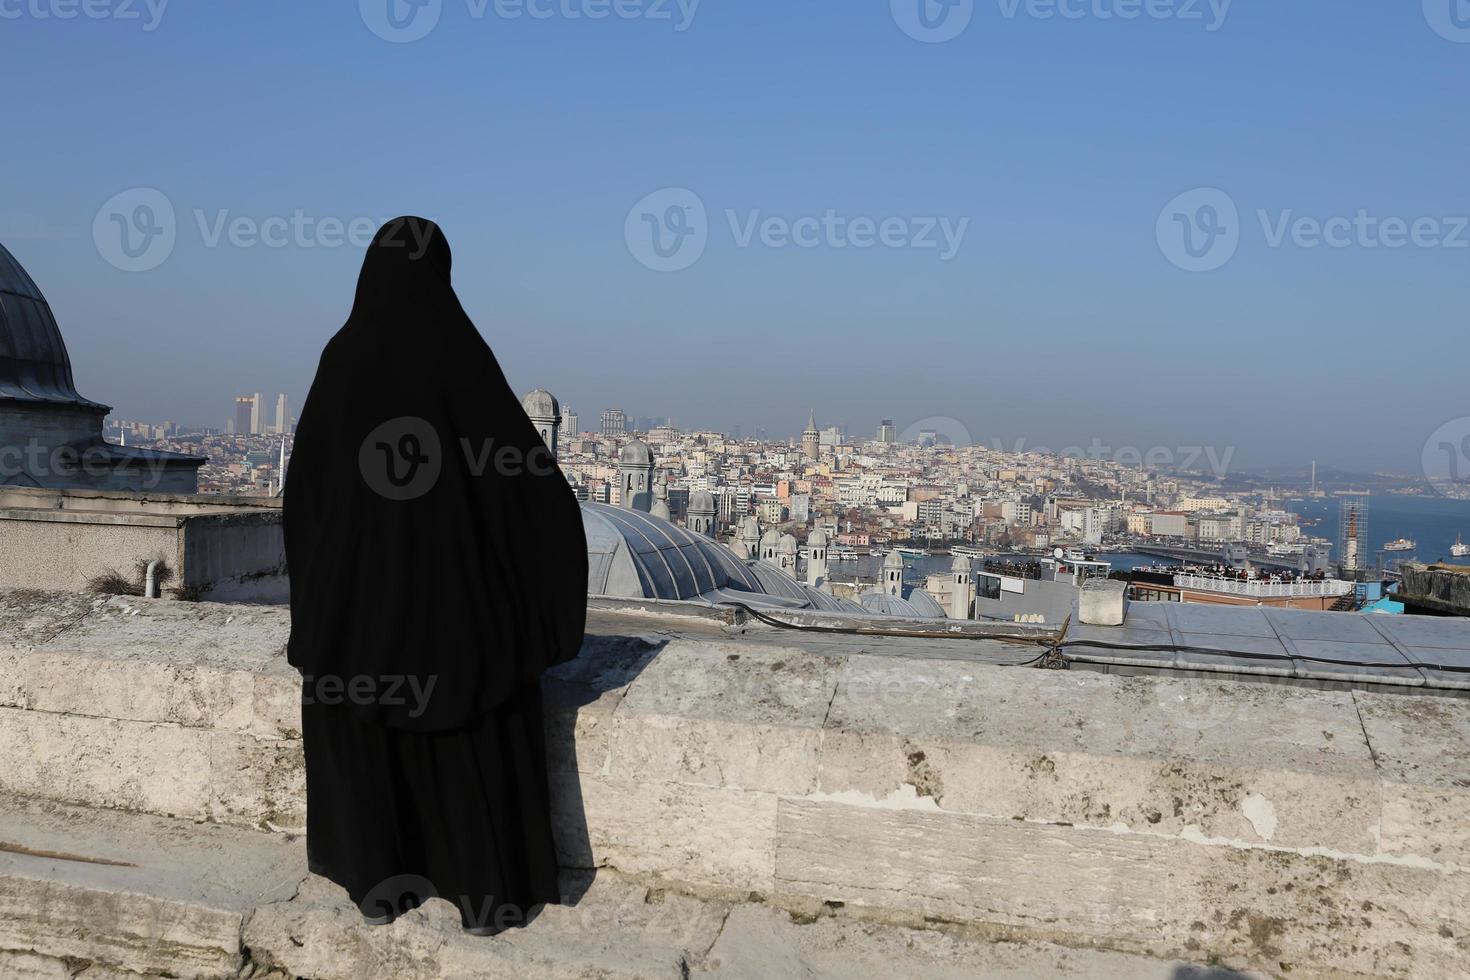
923	241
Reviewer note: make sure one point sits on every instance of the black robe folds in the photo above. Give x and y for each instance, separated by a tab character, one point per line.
438	566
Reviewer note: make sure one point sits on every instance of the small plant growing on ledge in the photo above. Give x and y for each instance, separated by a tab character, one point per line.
113	582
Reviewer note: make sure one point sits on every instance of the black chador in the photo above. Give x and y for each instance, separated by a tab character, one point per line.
438	566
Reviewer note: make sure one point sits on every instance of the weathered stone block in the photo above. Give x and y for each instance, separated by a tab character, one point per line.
1165	895
705	836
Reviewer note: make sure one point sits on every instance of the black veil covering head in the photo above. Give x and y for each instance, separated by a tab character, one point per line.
436	554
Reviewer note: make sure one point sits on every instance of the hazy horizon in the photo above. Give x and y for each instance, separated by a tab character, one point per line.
1047	158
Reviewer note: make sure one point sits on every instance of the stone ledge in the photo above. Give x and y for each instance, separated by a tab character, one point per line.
1159	815
99	895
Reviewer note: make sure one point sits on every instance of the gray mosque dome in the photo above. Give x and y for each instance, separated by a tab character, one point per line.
787	545
925	604
917	605
702	501
636	453
894	560
632	554
960	564
40	405
34	365
817	539
777	583
771	539
541	404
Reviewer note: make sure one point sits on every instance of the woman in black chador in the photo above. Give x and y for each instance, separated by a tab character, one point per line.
438	567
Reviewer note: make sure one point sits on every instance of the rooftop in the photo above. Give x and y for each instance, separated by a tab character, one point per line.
34	365
736	799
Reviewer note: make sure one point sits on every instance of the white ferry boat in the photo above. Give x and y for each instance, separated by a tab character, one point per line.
1401	544
1459	549
914	552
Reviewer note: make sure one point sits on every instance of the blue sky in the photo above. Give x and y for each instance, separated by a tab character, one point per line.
1058	142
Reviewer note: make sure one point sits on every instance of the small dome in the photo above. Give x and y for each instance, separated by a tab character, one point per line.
34	366
771	539
787	545
817	539
750	528
636	453
894	560
702	502
960	564
541	404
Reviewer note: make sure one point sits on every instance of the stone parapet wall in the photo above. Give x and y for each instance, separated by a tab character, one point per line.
1286	829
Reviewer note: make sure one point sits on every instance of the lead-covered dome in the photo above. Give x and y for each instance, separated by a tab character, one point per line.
541	404
636	453
701	502
34	366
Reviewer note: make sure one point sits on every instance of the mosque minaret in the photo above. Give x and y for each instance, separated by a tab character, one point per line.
963	591
701	517
893	574
545	414
816	558
635	476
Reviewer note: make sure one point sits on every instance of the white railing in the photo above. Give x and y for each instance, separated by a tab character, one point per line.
1260	589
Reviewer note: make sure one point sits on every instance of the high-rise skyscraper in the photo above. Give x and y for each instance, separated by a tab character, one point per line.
283	417
257	415
244	414
569	422
887	432
614	422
